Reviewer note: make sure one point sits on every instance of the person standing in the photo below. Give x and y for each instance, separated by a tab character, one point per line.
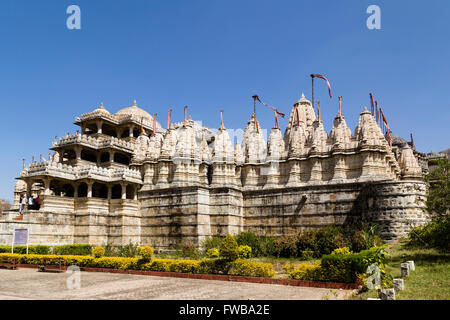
24	203
20	205
30	202
36	203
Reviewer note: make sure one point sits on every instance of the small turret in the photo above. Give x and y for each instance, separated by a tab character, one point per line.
253	144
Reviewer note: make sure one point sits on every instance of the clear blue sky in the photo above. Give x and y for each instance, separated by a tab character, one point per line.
217	54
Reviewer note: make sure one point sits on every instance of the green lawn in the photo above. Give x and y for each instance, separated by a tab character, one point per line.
430	280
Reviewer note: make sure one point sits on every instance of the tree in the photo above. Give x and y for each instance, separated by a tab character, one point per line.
439	194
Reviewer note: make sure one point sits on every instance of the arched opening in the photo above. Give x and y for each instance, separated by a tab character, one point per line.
90	128
99	190
69	155
109	130
37	187
88	155
116	191
130	191
104	157
136	133
68	190
82	190
121	158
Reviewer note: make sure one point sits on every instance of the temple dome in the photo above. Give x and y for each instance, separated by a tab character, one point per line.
101	109
134	110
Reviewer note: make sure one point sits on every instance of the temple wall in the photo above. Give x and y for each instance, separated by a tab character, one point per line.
396	206
169	215
164	218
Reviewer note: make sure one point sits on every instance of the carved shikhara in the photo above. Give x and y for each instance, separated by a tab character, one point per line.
123	178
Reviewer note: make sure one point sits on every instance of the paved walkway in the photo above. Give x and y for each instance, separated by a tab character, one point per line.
26	283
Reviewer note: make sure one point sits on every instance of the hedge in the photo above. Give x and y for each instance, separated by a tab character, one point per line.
69	249
205	266
341	267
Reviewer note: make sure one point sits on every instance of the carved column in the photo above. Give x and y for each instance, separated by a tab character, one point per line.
111	156
89	189
124	190
47	186
130	133
99	124
109	192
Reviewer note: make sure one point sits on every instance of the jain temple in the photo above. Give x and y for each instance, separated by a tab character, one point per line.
122	177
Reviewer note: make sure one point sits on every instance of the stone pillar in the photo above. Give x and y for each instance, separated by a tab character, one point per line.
130	133
89	189
119	133
47	186
109	192
124	190
135	193
75	190
99	124
99	154
111	156
77	150
29	184
83	129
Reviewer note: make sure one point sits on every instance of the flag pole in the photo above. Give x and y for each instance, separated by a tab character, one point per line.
318	110
312	89
168	119
412	142
371	101
254	104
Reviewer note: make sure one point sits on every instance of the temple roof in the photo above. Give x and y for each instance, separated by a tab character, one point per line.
134	110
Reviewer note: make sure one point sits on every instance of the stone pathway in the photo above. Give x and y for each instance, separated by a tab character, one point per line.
26	283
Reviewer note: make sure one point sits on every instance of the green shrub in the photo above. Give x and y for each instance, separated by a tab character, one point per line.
286	246
130	250
73	249
346	267
212	253
98	252
344	250
229	248
216	266
435	234
188	250
33	249
211	242
245	252
307	255
241	267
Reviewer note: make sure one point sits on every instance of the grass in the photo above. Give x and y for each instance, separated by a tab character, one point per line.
430	280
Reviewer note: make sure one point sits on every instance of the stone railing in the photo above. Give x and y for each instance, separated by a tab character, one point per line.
54	169
97	114
93	142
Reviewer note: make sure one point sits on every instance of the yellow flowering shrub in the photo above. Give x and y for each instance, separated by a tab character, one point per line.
98	252
206	266
242	267
304	271
146	253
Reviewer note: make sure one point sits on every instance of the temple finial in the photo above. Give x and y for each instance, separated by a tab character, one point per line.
134	104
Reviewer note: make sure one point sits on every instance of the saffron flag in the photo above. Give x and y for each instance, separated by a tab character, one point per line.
322	77
274	109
